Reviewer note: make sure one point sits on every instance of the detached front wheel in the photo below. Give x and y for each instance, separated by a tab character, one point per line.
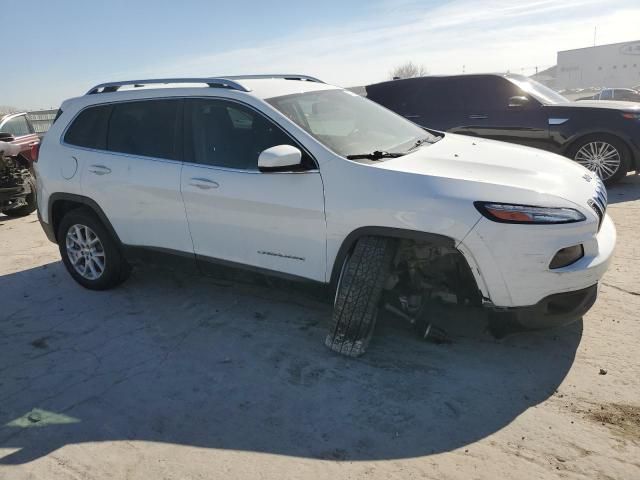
357	294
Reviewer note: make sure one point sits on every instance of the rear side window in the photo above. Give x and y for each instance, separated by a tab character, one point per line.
17	126
418	95
147	128
89	129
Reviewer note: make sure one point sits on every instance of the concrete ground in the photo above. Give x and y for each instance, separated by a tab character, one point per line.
173	376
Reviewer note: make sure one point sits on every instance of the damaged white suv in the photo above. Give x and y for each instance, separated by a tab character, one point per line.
286	175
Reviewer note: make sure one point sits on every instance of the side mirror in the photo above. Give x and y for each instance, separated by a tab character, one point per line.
518	102
280	157
6	137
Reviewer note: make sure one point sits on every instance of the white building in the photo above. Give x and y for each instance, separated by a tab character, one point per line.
614	65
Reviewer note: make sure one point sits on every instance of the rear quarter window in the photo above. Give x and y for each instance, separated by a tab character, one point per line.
89	129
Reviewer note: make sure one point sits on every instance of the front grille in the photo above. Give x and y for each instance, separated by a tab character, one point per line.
599	201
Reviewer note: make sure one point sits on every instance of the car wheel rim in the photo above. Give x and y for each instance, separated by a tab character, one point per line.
85	252
601	158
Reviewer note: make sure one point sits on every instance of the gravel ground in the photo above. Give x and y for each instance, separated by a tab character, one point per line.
174	376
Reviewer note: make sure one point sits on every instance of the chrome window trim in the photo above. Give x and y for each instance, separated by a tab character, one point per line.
239	170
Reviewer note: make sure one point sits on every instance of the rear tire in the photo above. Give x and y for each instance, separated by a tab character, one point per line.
358	292
108	268
31	203
611	165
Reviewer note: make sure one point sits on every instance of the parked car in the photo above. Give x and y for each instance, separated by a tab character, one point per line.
617	94
18	147
288	176
19	128
602	136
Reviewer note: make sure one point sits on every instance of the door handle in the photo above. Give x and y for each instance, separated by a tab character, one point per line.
203	183
99	169
476	116
411	116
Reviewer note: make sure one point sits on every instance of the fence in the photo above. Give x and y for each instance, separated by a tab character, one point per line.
42	119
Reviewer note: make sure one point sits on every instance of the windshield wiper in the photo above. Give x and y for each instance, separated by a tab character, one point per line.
422	141
375	155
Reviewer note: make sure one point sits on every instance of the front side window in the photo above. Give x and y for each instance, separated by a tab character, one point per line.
629	95
226	134
17	126
543	94
147	128
487	93
349	124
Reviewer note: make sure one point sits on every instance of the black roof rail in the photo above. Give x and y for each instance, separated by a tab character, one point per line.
211	82
286	76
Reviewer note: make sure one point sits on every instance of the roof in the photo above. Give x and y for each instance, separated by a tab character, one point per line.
608	45
4	116
462	75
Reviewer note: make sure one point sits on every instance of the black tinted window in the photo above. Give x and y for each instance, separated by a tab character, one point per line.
89	129
418	96
400	95
485	94
147	128
226	134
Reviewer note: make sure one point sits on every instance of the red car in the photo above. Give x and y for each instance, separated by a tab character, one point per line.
18	149
18	126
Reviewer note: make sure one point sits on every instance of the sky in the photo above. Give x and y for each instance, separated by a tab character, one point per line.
59	49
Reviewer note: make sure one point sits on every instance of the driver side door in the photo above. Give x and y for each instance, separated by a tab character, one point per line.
487	113
238	215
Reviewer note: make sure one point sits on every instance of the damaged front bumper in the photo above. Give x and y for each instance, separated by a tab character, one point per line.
552	311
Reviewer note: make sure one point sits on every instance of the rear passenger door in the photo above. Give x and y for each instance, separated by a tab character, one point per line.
487	113
239	215
130	158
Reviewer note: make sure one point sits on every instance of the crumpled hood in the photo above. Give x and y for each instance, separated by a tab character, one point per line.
498	163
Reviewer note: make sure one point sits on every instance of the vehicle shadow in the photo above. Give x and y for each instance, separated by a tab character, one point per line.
189	361
627	190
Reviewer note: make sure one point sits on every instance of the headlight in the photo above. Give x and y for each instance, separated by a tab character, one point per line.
507	213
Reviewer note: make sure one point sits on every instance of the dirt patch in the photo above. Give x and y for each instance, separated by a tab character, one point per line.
624	419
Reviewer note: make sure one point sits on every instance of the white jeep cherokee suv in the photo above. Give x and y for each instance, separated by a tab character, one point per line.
284	174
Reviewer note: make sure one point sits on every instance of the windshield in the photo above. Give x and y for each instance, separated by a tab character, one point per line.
543	94
349	124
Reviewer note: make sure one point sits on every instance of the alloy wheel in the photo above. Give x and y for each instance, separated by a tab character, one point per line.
85	251
601	158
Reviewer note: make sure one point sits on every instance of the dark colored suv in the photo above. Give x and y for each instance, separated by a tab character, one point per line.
602	136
